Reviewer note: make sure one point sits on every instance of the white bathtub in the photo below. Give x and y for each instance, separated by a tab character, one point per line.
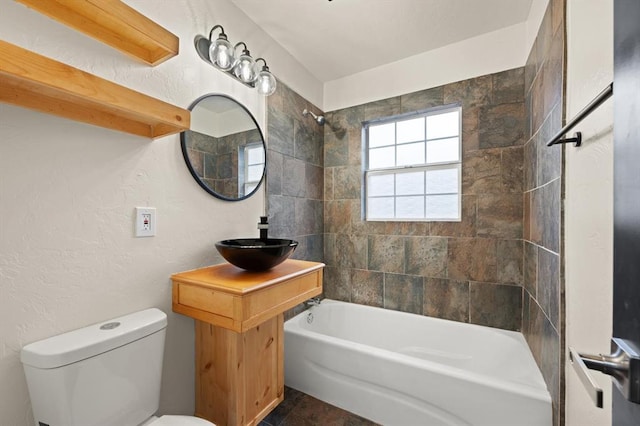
403	369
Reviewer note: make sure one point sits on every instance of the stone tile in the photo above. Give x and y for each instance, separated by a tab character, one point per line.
549	157
314	248
329	251
306	147
281	210
473	259
294	103
351	251
275	165
280	132
550	360
423	99
312	411
545	34
554	73
535	105
510	258
314	181
338	216
526	223
336	283
512	167
500	215
196	159
336	150
508	86
291	398
549	205
535	327
470	93
383	108
403	293
448	299
530	68
466	227
343	120
406	228
348	183
495	305
293	177
386	253
530	165
502	125
526	301
530	276
328	183
481	172
426	256
549	285
367	287
309	217
470	136
355	148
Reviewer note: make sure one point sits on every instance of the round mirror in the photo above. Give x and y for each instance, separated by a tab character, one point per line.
224	149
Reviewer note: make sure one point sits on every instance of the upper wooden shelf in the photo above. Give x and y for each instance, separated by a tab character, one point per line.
113	23
33	81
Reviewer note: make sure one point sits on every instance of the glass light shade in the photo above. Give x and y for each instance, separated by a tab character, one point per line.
221	54
266	83
245	68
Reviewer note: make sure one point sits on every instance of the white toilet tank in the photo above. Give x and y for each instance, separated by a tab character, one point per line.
106	374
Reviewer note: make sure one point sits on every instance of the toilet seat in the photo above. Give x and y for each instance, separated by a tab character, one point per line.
179	421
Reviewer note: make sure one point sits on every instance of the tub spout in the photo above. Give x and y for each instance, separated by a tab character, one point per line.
314	301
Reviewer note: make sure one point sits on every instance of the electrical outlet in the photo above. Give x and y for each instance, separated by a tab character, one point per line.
146	221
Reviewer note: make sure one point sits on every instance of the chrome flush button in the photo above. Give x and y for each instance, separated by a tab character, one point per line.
109	326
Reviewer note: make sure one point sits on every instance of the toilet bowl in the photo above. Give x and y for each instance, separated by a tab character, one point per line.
105	374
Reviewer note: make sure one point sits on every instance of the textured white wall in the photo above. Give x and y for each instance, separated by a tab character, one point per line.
589	203
68	257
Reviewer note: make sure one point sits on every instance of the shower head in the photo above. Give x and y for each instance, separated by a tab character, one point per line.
318	118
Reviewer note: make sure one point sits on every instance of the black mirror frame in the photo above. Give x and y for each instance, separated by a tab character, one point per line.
183	144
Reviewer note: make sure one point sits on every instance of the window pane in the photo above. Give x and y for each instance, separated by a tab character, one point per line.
256	155
410	154
382	135
411	130
382	157
248	188
410	207
442	181
442	207
443	150
410	183
443	125
380	208
380	185
254	173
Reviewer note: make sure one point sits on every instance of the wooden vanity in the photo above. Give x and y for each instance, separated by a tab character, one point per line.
239	332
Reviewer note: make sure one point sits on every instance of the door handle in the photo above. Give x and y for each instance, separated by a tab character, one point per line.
623	365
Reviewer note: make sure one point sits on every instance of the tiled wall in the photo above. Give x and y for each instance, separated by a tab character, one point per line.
543	306
469	271
294	173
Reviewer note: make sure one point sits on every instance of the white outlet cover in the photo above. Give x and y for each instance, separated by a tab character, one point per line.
143	229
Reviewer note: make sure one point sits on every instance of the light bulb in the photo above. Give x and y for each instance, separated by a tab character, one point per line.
266	82
221	54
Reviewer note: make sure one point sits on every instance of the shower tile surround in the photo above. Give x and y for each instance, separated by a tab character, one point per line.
470	271
500	265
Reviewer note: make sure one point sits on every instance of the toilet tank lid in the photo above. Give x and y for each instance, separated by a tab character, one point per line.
93	340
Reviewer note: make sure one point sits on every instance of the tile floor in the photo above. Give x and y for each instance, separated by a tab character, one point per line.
300	409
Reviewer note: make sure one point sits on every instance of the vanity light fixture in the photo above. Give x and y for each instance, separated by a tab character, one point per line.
222	55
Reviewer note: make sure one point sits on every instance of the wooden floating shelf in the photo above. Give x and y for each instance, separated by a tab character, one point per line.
33	81
114	23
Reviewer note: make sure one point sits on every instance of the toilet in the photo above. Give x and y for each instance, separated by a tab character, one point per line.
107	374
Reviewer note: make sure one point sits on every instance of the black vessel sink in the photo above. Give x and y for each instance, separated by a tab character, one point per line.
255	254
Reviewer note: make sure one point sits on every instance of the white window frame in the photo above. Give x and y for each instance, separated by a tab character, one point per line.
450	165
243	179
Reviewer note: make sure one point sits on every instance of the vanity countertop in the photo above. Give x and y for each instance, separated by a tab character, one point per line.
230	297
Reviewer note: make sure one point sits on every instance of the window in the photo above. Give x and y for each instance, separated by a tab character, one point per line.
413	167
252	161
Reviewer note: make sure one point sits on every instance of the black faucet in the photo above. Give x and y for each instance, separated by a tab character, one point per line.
263	226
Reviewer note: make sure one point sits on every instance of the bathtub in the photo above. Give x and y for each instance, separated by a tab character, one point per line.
403	369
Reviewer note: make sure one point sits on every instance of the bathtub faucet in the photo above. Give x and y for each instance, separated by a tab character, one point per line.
314	301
